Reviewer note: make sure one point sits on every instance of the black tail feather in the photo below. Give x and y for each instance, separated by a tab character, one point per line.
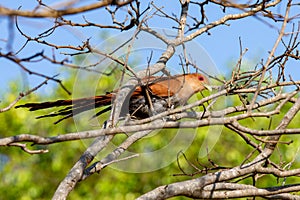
72	107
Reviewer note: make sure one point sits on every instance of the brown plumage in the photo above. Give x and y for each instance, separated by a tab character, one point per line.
164	93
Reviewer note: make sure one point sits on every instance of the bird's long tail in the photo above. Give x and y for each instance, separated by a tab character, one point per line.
71	107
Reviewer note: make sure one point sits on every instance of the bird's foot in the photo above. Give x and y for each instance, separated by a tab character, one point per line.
107	124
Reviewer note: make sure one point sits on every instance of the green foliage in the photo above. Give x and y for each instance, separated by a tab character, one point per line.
27	176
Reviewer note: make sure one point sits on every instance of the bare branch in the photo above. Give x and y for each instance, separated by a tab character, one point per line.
58	13
23	94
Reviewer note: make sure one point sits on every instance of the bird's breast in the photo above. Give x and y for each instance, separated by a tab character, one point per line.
140	108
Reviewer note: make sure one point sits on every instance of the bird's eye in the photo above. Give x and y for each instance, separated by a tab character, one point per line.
200	78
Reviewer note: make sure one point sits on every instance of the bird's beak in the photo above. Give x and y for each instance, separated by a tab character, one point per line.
208	87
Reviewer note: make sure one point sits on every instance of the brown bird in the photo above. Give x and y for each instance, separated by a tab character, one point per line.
155	94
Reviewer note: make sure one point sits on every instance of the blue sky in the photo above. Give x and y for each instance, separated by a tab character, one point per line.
222	45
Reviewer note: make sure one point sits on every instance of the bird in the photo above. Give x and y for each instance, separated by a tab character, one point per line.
154	94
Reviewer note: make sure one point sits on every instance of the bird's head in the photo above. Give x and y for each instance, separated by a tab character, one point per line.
198	82
190	85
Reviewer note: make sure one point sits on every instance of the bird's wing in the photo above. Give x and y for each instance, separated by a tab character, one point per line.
163	87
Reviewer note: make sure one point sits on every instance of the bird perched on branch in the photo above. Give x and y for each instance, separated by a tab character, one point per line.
155	94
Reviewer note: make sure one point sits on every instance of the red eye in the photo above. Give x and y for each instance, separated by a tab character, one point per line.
200	78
